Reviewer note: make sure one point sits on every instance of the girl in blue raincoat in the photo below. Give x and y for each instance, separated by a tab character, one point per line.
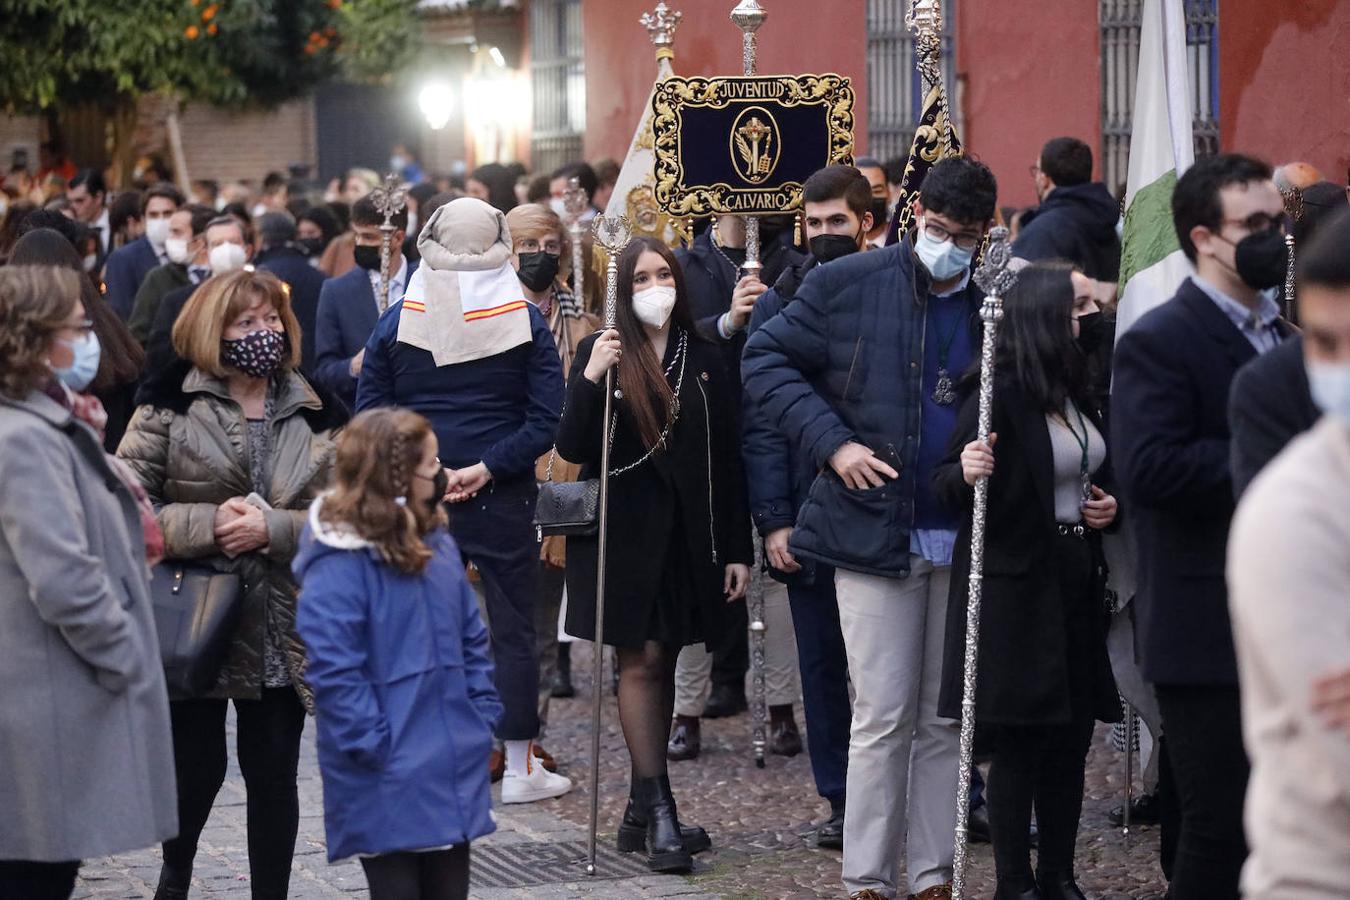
398	660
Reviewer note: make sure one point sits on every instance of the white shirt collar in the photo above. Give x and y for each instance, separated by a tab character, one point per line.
397	285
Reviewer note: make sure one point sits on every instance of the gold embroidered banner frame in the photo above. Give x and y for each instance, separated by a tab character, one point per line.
745	145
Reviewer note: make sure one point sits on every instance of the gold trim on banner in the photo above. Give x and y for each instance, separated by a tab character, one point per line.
674	94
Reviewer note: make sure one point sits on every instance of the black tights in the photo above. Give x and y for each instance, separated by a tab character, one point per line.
646	702
433	875
37	880
1044	766
268	744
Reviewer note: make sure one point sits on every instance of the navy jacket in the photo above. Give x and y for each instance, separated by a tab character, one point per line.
305	281
844	362
403	694
1171	444
1269	406
1076	223
125	270
502	410
346	316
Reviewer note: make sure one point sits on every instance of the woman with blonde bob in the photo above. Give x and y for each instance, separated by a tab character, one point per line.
398	659
232	444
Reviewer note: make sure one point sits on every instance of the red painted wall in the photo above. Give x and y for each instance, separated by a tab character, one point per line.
1026	73
1284	81
798	37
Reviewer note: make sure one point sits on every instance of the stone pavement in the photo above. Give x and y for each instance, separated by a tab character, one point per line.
759	819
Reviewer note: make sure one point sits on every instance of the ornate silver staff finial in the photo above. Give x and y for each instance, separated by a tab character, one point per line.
613	234
389	199
575	202
661	24
924	17
748	16
995	278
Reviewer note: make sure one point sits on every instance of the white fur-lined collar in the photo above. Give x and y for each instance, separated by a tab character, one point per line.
339	537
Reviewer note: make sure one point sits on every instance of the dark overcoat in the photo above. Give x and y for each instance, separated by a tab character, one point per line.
1024	672
675	522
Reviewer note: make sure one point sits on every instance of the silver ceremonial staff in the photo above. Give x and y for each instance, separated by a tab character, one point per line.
389	199
574	204
613	233
994	278
748	16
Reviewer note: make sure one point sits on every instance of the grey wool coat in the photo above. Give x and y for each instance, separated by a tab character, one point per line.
86	759
188	445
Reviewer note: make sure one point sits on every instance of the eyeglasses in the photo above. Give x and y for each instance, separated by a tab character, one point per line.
532	245
1259	222
1033	170
964	239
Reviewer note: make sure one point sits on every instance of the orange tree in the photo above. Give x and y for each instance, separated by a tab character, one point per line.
60	55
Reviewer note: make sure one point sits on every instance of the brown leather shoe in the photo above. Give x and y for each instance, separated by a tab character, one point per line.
868	894
496	765
936	892
545	758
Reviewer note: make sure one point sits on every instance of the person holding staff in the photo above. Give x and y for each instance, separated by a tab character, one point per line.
1043	676
679	534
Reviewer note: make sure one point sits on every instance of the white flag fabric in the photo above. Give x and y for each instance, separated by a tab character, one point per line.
1152	265
635	192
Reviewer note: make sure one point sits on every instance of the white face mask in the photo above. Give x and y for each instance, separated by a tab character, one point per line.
227	257
943	259
157	232
652	305
412	224
557	205
176	249
1330	387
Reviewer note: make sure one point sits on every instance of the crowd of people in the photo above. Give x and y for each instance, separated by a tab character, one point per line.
233	405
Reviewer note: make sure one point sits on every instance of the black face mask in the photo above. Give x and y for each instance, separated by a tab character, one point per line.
310	246
257	354
367	257
537	270
1262	259
439	484
827	247
771	228
1091	330
879	207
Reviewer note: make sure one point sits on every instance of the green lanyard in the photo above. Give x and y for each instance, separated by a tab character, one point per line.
1083	442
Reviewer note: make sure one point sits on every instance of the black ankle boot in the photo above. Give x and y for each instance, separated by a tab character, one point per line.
173	884
562	675
633	832
1059	886
1021	887
665	847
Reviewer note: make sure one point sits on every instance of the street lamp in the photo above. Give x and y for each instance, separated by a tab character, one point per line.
436	100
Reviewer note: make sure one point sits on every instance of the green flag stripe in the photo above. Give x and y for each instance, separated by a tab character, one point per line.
1150	236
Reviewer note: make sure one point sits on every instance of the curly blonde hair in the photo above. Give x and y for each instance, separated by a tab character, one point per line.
376	457
35	302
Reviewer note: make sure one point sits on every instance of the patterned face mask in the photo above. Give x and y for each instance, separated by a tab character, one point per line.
257	354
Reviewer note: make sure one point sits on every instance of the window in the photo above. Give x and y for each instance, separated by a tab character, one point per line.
1120	26
894	89
558	80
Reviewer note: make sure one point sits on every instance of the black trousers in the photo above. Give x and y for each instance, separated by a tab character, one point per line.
731	654
268	744
433	875
495	531
1040	766
824	671
24	880
1209	767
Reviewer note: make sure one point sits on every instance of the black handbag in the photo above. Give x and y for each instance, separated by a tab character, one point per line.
196	612
568	508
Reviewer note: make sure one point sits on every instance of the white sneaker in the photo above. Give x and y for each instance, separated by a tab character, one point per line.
539	784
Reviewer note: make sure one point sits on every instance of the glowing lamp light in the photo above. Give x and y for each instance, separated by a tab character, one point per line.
436	100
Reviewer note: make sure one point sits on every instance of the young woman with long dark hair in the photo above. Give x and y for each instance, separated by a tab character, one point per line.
679	527
1043	676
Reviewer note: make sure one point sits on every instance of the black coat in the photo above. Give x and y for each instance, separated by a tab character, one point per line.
1077	223
1269	406
1171	444
1024	670
664	515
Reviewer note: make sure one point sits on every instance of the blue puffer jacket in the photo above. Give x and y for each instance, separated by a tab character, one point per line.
404	695
844	362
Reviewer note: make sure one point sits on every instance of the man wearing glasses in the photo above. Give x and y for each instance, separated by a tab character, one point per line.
861	371
1171	450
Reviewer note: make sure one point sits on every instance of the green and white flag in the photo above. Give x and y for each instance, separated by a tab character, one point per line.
1152	265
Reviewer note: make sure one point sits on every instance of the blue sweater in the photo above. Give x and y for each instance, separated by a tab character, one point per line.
502	410
950	315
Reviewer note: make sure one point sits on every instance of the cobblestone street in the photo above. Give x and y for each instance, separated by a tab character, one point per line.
759	819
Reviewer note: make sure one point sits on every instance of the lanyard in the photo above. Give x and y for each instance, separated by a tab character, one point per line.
1083	442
